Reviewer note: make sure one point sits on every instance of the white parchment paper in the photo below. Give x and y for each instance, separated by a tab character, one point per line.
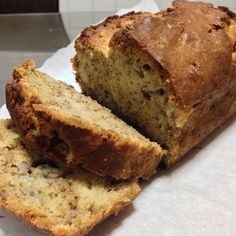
196	197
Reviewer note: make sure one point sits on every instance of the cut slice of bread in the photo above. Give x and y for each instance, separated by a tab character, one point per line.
53	201
73	130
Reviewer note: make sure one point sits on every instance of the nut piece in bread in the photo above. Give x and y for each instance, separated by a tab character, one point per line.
74	130
172	75
51	200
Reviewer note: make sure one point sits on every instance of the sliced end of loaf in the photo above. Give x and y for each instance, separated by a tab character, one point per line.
93	43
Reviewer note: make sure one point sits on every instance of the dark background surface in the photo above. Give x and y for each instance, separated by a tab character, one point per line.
28	6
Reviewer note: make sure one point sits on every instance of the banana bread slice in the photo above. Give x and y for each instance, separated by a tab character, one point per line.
172	75
51	200
73	130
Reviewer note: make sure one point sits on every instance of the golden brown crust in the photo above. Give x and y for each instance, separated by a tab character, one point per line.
103	152
20	182
91	36
196	57
205	118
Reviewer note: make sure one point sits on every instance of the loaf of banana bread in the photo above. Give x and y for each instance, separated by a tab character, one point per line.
172	75
73	130
55	201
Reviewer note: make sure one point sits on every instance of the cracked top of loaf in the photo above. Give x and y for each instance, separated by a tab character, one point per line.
194	43
98	37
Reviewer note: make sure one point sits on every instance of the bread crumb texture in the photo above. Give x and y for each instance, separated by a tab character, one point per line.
52	200
74	130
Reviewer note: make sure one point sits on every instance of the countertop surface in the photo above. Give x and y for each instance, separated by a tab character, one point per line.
37	36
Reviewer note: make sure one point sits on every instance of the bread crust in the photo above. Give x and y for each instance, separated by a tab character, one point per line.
206	117
91	36
103	152
31	215
203	49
